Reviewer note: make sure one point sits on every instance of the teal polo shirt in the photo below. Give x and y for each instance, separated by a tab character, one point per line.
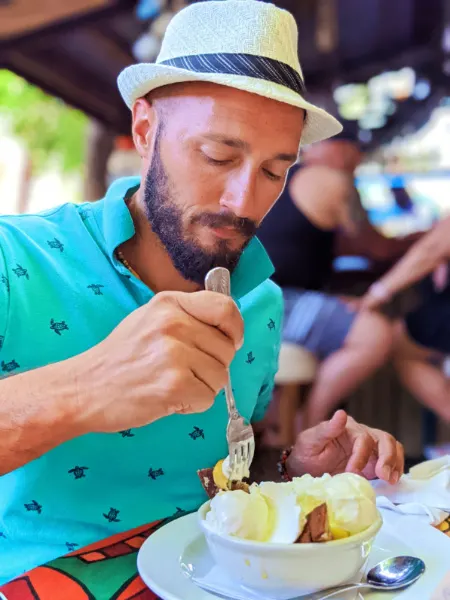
62	291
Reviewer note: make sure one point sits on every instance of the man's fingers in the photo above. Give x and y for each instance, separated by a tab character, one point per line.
387	456
199	400
327	431
400	464
212	342
207	369
362	450
335	426
315	439
216	310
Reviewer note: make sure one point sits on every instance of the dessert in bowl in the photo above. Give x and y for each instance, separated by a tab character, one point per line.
288	539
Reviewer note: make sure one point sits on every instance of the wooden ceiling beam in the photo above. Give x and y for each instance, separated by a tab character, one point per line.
13	36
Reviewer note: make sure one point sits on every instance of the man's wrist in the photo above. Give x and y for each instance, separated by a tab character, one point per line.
38	413
88	385
62	411
283	464
289	466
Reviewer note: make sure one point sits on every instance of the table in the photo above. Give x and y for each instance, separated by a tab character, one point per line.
103	571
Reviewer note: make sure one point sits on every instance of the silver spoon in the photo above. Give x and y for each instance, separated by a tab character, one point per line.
390	574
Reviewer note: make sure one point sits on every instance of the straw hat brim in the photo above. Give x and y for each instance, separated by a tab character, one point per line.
140	79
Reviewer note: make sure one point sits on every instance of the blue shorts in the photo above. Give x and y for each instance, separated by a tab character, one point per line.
316	321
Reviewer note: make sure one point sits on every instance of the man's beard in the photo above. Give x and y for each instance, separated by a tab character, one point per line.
166	220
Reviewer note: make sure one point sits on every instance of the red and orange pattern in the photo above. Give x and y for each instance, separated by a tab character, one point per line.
53	582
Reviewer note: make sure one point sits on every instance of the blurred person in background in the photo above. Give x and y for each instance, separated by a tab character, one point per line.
423	339
319	214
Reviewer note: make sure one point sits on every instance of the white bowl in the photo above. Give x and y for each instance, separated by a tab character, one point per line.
286	570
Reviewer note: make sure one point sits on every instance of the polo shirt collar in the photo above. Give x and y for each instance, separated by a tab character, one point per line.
253	268
118	226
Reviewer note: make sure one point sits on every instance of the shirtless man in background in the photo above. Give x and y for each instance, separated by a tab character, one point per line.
319	213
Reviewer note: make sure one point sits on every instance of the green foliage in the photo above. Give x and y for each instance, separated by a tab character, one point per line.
51	131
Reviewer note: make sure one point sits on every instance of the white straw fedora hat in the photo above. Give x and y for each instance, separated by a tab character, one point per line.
246	44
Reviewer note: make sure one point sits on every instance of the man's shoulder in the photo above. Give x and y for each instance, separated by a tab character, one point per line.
59	221
41	218
321	193
317	180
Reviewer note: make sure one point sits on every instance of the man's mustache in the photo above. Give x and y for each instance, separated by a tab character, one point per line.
242	225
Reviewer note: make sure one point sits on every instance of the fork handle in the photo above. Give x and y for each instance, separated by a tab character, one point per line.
218	280
229	397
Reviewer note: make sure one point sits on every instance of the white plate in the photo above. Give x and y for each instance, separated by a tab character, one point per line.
159	561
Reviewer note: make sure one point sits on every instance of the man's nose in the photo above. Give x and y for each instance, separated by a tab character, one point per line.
239	195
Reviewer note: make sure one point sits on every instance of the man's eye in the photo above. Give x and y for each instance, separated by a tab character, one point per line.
216	162
272	176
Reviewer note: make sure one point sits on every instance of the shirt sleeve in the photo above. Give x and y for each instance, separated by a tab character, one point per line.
266	391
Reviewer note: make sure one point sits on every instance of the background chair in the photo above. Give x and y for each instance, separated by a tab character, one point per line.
297	370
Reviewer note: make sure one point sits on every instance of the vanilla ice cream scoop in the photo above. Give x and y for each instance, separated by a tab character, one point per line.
287	518
351	504
239	514
269	513
311	491
350	501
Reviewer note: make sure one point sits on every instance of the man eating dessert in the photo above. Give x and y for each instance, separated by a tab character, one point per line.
113	356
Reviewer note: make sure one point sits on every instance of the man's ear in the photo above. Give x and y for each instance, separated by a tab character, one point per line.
144	126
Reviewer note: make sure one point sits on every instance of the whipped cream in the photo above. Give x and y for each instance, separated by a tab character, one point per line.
239	514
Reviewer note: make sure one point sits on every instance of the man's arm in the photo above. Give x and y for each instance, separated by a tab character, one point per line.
170	356
357	236
421	260
38	411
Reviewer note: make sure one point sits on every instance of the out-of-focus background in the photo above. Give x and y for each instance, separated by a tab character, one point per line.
381	66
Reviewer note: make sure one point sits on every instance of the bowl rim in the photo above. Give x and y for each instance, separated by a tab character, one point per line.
353	540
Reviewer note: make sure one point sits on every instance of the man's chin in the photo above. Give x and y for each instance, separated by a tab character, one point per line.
199	260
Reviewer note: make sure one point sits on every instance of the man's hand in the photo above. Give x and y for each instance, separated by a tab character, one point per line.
343	445
169	356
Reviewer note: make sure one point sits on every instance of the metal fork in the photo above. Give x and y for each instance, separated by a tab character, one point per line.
240	437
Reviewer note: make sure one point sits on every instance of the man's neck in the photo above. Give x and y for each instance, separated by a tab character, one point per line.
147	256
